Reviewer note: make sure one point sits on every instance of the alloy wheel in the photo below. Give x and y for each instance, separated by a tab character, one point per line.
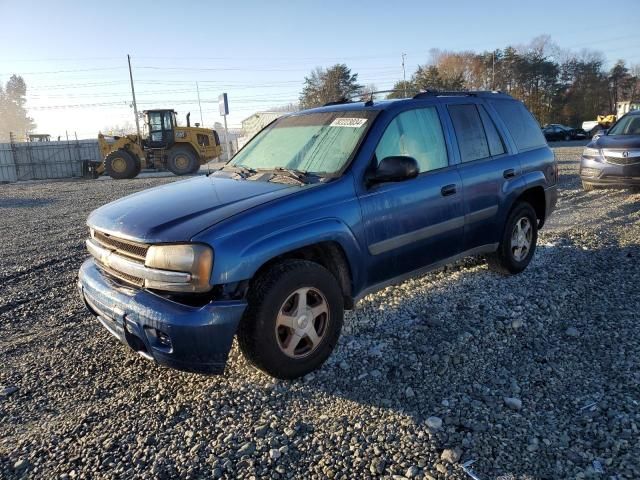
521	237
302	322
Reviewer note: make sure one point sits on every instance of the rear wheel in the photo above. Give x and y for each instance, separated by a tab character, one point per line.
293	319
518	243
121	164
182	161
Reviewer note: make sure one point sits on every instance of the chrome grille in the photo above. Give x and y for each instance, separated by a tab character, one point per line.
125	277
620	156
622	160
127	248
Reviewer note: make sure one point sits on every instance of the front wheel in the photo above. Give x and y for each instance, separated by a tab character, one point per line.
293	319
182	161
121	164
518	243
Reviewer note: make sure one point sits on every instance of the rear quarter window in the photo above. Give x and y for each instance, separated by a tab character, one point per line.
523	127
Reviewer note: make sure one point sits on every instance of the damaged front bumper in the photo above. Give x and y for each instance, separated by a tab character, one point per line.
193	339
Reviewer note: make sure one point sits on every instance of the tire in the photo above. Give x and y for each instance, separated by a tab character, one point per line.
587	187
121	164
196	168
274	303
504	260
182	161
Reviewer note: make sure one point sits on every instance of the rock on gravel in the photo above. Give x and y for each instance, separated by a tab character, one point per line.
274	454
412	472
435	423
6	391
513	403
20	464
462	338
247	449
451	455
572	332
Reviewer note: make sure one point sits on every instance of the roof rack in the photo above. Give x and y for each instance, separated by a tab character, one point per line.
368	102
455	93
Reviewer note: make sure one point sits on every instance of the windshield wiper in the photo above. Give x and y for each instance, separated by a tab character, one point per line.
241	170
299	175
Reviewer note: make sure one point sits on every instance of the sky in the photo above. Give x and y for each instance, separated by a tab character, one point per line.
73	54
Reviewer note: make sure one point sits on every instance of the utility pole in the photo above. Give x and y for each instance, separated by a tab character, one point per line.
135	105
223	106
404	75
199	105
493	70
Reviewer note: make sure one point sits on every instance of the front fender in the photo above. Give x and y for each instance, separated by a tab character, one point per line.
238	258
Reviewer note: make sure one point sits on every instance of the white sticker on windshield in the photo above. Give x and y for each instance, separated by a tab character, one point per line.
348	122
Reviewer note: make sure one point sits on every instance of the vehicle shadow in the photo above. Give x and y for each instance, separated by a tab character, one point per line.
456	342
25	202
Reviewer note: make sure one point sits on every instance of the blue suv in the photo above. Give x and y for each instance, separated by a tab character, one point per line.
319	209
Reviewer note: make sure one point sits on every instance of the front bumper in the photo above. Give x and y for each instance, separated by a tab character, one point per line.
193	339
607	174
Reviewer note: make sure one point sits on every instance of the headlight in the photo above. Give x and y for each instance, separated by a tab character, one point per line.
591	152
195	259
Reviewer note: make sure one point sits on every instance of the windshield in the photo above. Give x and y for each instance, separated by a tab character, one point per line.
319	143
627	125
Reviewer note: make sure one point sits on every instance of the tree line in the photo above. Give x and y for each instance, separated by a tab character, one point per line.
558	86
13	113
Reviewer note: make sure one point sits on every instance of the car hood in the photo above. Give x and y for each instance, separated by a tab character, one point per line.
178	211
617	141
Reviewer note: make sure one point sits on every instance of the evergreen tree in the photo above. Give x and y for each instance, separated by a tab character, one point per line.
13	112
330	85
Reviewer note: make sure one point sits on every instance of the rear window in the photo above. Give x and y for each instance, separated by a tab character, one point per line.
523	127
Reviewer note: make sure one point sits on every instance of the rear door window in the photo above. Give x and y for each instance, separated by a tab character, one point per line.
472	140
523	127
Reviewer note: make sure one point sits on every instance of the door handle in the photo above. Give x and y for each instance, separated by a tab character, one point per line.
509	173
448	190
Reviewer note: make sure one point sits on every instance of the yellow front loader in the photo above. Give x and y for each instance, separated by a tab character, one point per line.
167	147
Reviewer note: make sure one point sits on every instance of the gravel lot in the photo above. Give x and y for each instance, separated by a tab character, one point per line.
533	376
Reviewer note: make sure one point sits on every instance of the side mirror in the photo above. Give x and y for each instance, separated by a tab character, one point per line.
599	133
394	169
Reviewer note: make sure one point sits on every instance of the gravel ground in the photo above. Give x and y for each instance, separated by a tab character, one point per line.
533	376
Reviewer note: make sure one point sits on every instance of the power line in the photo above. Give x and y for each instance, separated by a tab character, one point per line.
67	71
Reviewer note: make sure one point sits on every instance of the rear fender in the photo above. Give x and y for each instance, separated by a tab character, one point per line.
510	192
